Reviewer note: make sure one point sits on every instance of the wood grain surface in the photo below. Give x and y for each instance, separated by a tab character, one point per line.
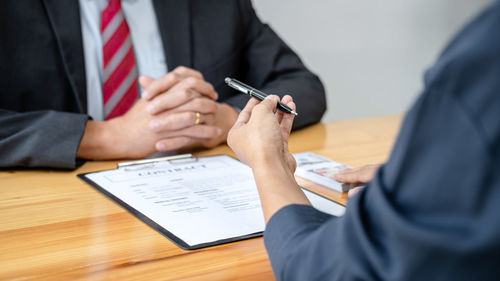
56	227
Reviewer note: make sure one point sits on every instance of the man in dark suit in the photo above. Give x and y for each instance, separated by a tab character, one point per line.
430	213
52	113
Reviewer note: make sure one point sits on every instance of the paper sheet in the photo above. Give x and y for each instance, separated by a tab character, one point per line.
201	201
319	169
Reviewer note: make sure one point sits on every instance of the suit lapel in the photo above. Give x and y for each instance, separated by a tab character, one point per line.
175	28
64	17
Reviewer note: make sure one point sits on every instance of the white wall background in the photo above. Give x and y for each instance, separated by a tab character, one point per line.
369	54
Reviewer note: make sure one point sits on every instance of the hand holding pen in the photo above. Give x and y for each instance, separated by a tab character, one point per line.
239	86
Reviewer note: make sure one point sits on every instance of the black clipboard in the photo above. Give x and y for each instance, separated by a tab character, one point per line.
175	239
178	241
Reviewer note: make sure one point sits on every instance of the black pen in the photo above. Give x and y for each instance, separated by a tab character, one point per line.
239	86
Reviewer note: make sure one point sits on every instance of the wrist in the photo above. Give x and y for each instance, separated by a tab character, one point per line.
276	181
271	162
99	141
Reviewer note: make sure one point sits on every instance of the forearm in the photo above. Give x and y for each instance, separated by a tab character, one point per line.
277	186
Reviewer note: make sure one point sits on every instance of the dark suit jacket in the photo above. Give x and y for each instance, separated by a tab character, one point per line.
433	211
42	73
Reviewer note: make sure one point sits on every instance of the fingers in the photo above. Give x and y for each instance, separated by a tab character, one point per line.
253	105
285	100
196	131
180	120
174	143
200	104
287	119
188	72
177	139
358	175
354	191
347	176
265	108
346	171
161	85
246	112
180	94
268	104
145	81
166	82
198	85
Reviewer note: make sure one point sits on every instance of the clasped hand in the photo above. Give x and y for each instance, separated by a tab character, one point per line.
175	111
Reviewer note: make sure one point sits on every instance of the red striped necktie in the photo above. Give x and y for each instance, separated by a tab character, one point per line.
120	89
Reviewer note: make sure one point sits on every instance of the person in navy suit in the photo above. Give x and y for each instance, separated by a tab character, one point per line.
432	212
56	61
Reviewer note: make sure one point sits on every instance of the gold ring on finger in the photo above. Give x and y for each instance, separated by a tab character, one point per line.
198	118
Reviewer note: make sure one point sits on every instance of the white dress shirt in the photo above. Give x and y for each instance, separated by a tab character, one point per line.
146	38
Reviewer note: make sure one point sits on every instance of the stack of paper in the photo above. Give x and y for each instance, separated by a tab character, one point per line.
319	169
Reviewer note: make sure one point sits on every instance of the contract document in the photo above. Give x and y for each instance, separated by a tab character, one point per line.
195	202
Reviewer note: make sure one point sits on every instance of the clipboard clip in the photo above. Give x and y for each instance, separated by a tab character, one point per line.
149	163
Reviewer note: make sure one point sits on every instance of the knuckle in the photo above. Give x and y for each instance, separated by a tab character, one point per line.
160	102
212	132
200	74
163	123
212	107
198	103
169	119
174	77
210	118
180	69
201	131
190	116
154	87
260	108
211	87
191	81
195	73
162	146
173	119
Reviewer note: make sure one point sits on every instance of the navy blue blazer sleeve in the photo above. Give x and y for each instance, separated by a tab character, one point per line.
43	138
431	213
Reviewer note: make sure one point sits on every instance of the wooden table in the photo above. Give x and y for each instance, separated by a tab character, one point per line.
54	226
